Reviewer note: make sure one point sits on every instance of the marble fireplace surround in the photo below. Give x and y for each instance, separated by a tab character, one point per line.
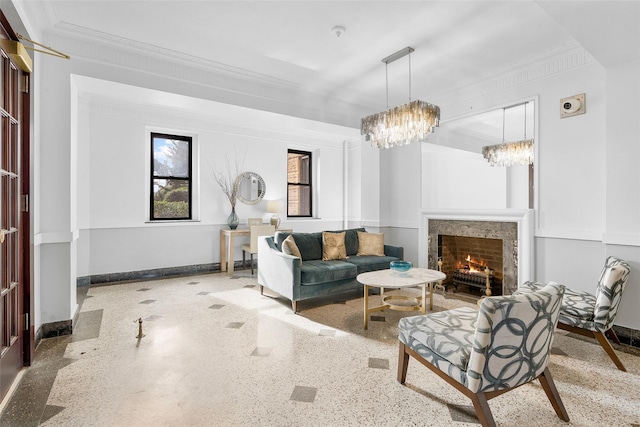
513	226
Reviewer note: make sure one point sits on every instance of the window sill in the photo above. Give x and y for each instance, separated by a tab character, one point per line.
172	221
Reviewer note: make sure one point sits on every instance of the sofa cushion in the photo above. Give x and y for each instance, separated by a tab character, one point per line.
289	247
333	246
350	239
370	244
318	271
367	263
309	244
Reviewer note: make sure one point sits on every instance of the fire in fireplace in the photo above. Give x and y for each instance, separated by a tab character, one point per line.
473	273
473	262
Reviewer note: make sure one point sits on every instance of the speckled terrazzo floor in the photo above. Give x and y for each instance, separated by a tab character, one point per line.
217	353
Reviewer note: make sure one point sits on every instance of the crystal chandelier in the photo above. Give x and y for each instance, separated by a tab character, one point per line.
510	153
401	125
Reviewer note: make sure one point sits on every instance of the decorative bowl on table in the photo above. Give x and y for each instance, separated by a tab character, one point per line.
400	267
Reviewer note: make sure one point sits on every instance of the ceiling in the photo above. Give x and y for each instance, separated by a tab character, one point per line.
291	42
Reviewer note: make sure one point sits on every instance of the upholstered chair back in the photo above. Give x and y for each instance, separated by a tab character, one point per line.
513	338
257	231
609	292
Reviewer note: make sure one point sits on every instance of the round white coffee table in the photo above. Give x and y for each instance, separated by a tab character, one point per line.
392	279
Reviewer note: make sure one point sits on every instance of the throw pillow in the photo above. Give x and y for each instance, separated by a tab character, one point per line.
370	243
289	247
333	246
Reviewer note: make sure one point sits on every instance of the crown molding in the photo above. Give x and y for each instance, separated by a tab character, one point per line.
559	60
82	41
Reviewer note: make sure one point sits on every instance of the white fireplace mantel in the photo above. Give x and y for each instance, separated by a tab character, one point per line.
522	217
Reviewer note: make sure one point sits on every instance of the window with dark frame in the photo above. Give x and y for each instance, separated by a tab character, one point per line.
171	180
299	184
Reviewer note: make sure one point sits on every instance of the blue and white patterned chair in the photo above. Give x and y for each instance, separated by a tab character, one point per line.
485	353
593	315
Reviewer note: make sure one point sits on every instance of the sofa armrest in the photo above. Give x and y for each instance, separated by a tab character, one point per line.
396	251
276	270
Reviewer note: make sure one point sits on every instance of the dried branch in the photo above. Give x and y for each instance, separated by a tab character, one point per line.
227	180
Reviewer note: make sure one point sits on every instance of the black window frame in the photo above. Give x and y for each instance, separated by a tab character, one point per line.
189	179
298	184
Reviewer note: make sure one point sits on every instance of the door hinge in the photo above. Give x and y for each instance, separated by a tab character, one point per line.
24	201
26	321
25	83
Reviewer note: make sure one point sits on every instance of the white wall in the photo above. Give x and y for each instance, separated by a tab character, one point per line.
623	153
622	232
457	179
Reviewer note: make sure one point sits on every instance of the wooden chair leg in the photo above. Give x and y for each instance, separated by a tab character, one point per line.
294	306
261	290
403	363
549	386
606	345
251	255
243	260
481	405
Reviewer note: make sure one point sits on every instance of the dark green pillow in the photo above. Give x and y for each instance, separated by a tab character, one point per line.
309	244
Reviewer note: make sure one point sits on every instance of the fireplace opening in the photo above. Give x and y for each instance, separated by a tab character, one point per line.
472	264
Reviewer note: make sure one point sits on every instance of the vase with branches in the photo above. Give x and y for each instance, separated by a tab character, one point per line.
227	181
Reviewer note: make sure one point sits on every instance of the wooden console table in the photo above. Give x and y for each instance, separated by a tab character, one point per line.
226	251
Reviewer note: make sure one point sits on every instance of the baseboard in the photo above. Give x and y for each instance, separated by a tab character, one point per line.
156	273
57	329
628	336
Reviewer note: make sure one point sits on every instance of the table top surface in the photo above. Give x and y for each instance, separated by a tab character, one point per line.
393	279
247	230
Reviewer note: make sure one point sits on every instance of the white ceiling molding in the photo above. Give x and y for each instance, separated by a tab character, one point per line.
558	63
135	48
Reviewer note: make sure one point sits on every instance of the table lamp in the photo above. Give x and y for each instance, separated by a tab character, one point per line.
274	207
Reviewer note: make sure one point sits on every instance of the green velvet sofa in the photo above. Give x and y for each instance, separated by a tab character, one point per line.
298	280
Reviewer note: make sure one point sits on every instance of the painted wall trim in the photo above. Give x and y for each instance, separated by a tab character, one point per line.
558	233
621	239
55	237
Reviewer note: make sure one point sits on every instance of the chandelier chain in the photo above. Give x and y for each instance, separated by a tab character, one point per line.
409	76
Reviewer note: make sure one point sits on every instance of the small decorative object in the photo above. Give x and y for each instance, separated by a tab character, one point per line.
251	188
400	266
140	334
233	219
274	207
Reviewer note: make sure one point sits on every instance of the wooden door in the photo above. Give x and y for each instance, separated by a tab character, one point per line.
13	233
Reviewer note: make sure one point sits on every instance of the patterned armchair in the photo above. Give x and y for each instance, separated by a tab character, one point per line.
485	353
593	315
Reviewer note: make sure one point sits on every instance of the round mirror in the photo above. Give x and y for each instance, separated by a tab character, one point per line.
251	188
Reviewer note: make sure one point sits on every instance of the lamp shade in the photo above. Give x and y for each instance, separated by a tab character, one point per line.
274	206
